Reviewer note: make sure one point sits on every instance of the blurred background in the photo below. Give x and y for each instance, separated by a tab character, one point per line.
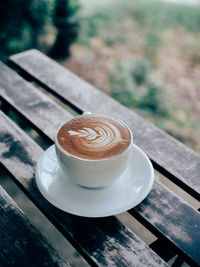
144	53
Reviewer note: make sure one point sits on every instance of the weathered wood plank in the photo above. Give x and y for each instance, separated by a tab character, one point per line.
20	243
29	101
171	157
104	241
39	115
172	217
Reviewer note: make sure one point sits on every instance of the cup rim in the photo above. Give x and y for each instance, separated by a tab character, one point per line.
91	160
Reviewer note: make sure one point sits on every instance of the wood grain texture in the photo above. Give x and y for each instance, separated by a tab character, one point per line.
170	157
20	243
172	217
102	242
29	101
156	210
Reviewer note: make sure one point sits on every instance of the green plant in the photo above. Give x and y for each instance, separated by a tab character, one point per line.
140	70
67	27
23	22
133	85
156	100
121	84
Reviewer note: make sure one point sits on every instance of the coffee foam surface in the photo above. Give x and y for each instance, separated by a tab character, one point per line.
93	137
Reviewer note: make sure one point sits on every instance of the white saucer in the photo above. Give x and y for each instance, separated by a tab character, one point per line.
125	193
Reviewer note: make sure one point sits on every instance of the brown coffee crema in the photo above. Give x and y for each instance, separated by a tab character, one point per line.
93	137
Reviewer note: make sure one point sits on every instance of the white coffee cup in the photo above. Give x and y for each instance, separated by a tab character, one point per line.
93	173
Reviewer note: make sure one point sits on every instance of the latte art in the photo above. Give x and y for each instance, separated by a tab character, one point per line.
102	136
93	137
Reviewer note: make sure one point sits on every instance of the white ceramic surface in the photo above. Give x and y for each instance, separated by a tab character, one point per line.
94	173
125	193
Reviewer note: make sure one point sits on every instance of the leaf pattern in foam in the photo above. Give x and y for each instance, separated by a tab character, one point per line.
100	136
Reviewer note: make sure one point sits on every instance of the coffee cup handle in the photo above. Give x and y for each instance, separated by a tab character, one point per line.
87	112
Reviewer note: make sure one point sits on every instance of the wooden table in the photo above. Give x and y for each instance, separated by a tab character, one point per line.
38	90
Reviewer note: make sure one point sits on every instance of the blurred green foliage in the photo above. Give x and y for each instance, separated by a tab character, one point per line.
140	70
151	43
67	27
22	22
93	25
161	15
132	82
151	16
133	86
